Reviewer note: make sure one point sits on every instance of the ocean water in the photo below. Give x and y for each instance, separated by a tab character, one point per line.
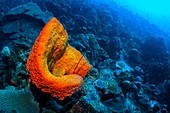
84	56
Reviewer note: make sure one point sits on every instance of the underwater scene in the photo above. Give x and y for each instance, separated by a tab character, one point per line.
84	56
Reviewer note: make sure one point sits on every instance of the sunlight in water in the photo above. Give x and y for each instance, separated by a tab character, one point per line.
156	11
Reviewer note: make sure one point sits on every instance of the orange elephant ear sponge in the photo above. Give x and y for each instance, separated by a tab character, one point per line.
56	67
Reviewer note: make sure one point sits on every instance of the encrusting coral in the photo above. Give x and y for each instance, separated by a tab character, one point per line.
17	101
56	67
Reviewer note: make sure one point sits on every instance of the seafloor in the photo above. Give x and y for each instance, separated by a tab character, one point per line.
129	57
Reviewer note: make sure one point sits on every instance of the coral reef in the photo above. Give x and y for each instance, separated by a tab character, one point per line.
129	63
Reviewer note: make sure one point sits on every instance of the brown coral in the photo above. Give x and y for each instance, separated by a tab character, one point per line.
56	67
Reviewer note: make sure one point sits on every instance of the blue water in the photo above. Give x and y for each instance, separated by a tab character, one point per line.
156	12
